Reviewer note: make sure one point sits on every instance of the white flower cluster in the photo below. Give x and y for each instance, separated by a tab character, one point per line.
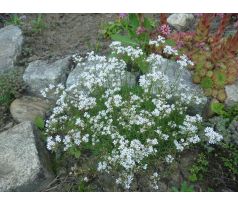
155	61
169	159
160	40
184	61
133	53
127	125
154	181
213	137
170	50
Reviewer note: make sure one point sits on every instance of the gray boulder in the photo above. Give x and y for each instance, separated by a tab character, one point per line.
40	74
181	22
11	41
171	69
232	94
75	76
23	160
27	108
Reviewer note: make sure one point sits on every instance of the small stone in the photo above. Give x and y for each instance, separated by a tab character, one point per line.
24	164
232	94
40	74
181	22
27	108
11	40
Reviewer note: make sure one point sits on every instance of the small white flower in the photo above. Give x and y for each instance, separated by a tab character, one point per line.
85	179
213	137
169	159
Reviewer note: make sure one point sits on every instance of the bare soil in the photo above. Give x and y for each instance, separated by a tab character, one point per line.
64	34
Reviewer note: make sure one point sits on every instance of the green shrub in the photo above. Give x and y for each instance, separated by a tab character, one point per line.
38	24
184	188
12	86
14	20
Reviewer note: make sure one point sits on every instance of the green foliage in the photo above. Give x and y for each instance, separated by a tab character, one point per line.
206	83
220	79
199	168
111	29
12	86
225	112
218	108
14	20
183	188
39	122
38	24
82	187
126	30
124	39
232	112
217	167
230	158
170	42
75	152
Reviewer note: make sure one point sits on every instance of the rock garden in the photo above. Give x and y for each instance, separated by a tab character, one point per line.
118	102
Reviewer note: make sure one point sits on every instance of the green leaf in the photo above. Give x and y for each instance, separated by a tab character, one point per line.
74	152
170	42
124	39
218	108
148	23
220	79
193	178
77	154
186	188
134	21
206	83
39	122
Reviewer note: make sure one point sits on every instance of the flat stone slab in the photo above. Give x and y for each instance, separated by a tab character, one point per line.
23	161
40	74
27	108
11	40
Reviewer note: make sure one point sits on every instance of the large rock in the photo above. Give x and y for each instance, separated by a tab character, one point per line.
232	94
23	160
40	74
27	108
181	22
75	76
171	69
11	41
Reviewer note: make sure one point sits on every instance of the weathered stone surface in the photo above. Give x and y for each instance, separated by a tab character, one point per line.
232	94
23	161
181	22
7	126
171	70
11	41
76	76
40	74
27	108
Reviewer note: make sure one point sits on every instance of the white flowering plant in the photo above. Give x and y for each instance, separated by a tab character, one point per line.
128	128
139	60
